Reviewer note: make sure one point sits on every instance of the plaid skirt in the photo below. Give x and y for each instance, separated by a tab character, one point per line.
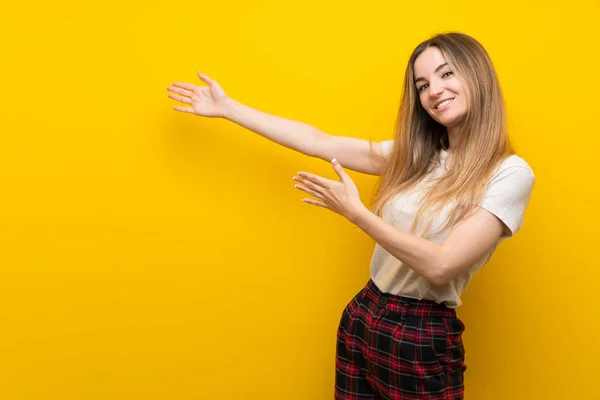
397	348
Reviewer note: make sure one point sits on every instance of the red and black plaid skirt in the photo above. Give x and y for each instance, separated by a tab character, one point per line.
397	348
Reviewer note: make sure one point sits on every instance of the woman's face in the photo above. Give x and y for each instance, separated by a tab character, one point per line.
440	92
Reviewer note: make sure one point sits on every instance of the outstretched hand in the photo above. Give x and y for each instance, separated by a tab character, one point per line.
340	196
206	101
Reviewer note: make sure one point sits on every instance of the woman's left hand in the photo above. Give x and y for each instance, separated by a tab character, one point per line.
339	196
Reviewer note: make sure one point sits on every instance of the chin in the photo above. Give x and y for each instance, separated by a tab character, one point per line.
451	121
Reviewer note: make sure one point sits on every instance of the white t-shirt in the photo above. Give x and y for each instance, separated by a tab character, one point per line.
507	197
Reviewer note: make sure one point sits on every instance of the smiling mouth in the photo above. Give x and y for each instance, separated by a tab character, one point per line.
444	103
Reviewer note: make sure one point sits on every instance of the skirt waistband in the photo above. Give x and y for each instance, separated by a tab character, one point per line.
406	305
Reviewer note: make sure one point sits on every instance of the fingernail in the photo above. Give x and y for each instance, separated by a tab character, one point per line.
333	161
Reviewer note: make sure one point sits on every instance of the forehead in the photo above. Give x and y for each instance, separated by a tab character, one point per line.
428	61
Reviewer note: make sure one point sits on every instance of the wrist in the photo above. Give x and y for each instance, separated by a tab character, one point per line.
358	214
229	107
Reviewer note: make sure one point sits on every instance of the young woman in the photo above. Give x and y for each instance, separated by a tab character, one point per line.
451	189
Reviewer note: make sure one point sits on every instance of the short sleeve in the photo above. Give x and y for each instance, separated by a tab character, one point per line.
386	147
508	195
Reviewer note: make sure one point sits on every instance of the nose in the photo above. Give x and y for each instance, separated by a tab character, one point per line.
435	90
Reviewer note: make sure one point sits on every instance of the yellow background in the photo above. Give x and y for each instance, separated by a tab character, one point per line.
149	254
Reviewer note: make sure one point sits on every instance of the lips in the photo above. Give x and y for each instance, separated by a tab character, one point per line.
443	103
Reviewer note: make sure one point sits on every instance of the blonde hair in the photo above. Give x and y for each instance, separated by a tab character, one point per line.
480	145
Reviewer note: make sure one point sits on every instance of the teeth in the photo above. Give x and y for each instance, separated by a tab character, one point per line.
444	103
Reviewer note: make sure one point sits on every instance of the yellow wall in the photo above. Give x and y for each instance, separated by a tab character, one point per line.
147	254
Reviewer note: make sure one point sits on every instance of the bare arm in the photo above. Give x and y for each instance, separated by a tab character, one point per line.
467	243
352	153
211	101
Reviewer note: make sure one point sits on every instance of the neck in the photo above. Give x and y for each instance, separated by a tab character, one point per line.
451	133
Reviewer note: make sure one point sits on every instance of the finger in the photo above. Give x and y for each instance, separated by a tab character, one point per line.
323	182
315	202
309	191
309	184
184	85
205	78
184	109
182	99
183	92
337	167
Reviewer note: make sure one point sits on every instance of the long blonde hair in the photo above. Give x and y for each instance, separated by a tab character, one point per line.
480	145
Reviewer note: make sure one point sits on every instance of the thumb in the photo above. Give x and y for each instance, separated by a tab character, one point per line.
204	78
339	170
214	86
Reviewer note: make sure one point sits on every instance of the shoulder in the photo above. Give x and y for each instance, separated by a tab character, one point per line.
515	160
386	147
513	167
509	191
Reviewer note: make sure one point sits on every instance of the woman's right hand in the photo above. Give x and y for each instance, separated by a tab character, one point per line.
206	101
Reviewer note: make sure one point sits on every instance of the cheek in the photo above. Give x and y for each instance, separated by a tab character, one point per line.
456	86
423	101
463	103
425	107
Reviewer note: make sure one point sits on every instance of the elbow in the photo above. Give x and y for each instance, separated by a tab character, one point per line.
440	276
438	281
317	147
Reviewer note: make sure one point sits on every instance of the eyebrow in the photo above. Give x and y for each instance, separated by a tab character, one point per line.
436	70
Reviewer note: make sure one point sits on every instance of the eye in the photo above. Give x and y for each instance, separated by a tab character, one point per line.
445	74
422	87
